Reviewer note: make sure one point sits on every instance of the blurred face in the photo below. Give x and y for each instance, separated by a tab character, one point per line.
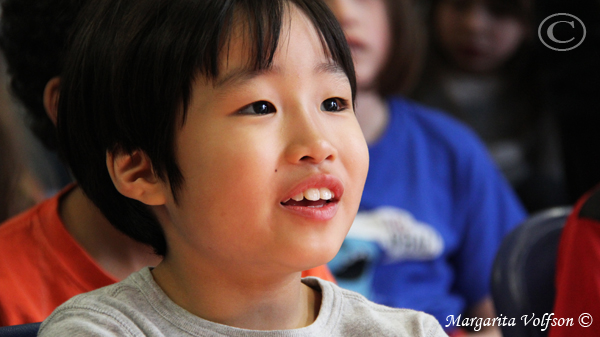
367	30
477	35
274	161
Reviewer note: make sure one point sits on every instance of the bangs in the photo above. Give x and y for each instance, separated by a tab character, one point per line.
259	25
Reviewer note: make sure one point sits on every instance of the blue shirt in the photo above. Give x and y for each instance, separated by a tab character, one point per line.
434	211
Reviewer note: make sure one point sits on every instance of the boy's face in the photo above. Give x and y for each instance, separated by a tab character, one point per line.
255	140
478	35
367	29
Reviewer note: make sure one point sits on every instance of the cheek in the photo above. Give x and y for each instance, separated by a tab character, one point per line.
380	30
229	171
382	44
508	36
244	167
355	159
226	182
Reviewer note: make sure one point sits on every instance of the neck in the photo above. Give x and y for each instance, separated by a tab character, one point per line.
115	253
233	298
372	114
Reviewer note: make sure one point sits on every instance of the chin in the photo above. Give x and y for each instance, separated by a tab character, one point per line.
315	254
326	255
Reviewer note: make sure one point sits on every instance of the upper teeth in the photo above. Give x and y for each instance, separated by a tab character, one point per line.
314	194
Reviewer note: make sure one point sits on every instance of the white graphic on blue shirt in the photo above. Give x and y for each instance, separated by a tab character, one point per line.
384	235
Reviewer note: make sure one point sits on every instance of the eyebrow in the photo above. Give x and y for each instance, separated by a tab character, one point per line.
239	76
330	68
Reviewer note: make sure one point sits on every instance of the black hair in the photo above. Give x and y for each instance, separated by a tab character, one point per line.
33	35
128	79
521	9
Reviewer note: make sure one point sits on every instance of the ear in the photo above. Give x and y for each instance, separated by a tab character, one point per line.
51	93
133	176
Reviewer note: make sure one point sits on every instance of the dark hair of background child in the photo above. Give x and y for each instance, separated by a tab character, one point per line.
34	60
129	78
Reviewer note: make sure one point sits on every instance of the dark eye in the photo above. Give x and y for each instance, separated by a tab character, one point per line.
334	105
258	108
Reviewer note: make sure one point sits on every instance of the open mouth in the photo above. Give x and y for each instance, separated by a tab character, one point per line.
312	197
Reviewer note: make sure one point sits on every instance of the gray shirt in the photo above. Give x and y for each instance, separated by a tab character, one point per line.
137	306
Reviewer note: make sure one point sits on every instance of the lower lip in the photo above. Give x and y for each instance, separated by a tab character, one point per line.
324	213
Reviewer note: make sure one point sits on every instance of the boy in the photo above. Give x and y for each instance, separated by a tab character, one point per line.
223	134
64	246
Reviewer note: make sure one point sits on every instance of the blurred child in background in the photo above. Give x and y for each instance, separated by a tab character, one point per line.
435	208
480	70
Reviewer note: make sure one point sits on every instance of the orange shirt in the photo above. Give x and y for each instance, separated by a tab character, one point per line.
42	266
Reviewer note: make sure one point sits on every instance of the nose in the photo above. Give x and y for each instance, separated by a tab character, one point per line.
308	138
345	11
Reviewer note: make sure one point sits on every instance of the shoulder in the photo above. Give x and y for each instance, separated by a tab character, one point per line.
433	121
29	263
583	224
436	130
362	314
111	308
590	208
443	139
359	316
20	235
132	291
23	224
29	239
116	297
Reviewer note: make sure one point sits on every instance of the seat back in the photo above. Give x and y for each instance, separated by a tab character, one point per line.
524	269
23	330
